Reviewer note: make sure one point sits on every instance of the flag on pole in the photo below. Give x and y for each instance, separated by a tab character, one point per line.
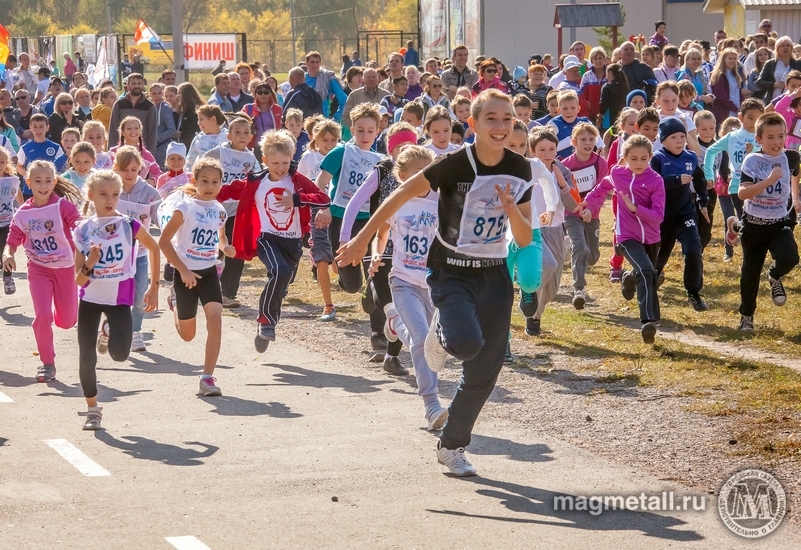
144	33
3	50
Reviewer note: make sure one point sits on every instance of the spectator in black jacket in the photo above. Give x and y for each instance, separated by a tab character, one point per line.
302	96
638	75
772	86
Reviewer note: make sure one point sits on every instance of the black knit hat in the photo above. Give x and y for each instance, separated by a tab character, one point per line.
670	126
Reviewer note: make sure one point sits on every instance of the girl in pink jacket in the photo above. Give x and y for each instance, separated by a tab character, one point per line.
641	208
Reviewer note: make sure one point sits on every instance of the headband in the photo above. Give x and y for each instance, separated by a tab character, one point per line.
404	136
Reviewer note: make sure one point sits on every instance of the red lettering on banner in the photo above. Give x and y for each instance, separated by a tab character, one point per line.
215	52
228	51
207	51
188	51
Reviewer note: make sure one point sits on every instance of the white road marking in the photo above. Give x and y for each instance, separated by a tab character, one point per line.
186	543
5	399
71	454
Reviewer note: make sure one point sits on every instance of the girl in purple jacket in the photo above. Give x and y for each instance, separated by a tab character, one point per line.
641	199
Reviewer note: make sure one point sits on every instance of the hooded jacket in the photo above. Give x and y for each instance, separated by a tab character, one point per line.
646	191
303	97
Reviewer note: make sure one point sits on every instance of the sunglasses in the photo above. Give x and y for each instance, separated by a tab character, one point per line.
490	70
66	103
22	98
436	86
264	92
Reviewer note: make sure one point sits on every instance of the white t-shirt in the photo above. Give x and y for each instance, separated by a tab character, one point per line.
309	164
197	241
42	87
437	151
275	218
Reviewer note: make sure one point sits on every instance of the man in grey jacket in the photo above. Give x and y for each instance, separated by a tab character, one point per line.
459	74
134	103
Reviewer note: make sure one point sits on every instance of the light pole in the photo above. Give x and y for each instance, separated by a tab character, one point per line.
294	46
178	40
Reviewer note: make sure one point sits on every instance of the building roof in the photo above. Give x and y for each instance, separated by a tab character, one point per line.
588	15
716	6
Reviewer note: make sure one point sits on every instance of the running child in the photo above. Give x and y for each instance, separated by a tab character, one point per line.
271	219
190	241
237	162
567	119
705	124
457	133
131	136
522	105
38	148
139	200
729	205
409	314
461	112
293	122
414	114
438	126
82	162
667	103
69	138
768	182
211	120
175	176
10	198
105	266
484	190
95	133
325	136
43	226
552	104
641	195
588	169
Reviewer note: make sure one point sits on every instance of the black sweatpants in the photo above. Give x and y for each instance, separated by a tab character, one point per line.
757	241
642	257
475	310
120	331
232	270
705	227
280	256
685	231
350	280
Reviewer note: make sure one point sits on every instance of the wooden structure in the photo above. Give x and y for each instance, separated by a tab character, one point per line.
587	15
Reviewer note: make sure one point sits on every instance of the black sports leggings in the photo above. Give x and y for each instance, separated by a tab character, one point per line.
119	339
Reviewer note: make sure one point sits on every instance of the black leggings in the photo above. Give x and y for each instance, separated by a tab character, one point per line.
3	238
119	339
232	269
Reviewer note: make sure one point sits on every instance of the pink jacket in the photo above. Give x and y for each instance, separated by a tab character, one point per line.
647	191
783	108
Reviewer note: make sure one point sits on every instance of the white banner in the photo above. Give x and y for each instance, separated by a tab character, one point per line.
204	51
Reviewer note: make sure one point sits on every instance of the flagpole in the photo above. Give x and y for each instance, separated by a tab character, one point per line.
161	45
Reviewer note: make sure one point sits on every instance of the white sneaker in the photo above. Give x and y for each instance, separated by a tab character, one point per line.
434	353
437	419
456	462
102	338
137	343
392	315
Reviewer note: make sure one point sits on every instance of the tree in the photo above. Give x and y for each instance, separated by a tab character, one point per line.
27	22
604	34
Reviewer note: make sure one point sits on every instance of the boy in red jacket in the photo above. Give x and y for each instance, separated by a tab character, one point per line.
272	216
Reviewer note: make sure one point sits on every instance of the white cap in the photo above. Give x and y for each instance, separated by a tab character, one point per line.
176	148
383	111
570	62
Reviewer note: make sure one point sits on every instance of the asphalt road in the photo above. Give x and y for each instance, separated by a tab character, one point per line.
301	451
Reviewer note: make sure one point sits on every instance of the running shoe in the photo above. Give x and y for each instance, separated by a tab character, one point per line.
579	299
208	387
697	302
733	229
102	338
93	417
746	323
172	300
456	462
329	314
378	342
648	332
615	274
629	285
508	358
436	419
393	366
9	286
533	327
777	292
46	373
660	280
137	343
264	335
392	315
434	353
727	258
528	304
314	274
368	304
230	303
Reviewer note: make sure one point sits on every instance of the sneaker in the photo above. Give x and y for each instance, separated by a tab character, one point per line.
46	373
732	230
393	366
777	292
137	343
533	327
368	304
727	258
615	274
9	286
329	314
697	302
648	332
456	462
746	323
434	353
230	303
264	335
629	285
102	339
391	314
528	304
378	342
208	387
169	273
93	417
579	299
437	418
508	358
314	274
660	280
172	300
